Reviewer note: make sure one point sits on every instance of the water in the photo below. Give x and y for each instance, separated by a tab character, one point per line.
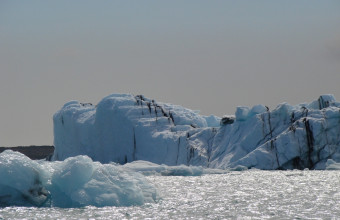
245	195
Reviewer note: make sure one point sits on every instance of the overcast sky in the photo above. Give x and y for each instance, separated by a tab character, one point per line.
205	55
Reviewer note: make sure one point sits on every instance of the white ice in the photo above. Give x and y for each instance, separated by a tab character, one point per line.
123	128
75	182
148	168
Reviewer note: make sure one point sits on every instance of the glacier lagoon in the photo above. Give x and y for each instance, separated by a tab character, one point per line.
133	157
79	188
251	194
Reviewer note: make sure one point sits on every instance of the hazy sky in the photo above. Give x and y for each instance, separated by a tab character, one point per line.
206	55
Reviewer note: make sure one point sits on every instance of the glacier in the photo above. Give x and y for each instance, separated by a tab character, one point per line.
74	182
123	128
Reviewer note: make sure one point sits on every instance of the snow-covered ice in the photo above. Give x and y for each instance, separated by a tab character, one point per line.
123	128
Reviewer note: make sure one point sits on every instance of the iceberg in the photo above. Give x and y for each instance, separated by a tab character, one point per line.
21	180
123	128
74	182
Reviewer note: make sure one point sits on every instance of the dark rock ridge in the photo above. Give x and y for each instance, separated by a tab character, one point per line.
34	152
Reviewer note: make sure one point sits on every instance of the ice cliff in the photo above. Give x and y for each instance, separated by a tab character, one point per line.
123	128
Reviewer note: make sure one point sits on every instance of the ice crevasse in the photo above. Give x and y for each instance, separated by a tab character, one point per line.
123	128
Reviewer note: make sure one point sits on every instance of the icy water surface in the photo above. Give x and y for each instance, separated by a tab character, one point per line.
245	195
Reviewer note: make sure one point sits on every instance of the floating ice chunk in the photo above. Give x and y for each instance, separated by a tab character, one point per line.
73	173
332	165
148	168
90	183
239	168
22	181
75	182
